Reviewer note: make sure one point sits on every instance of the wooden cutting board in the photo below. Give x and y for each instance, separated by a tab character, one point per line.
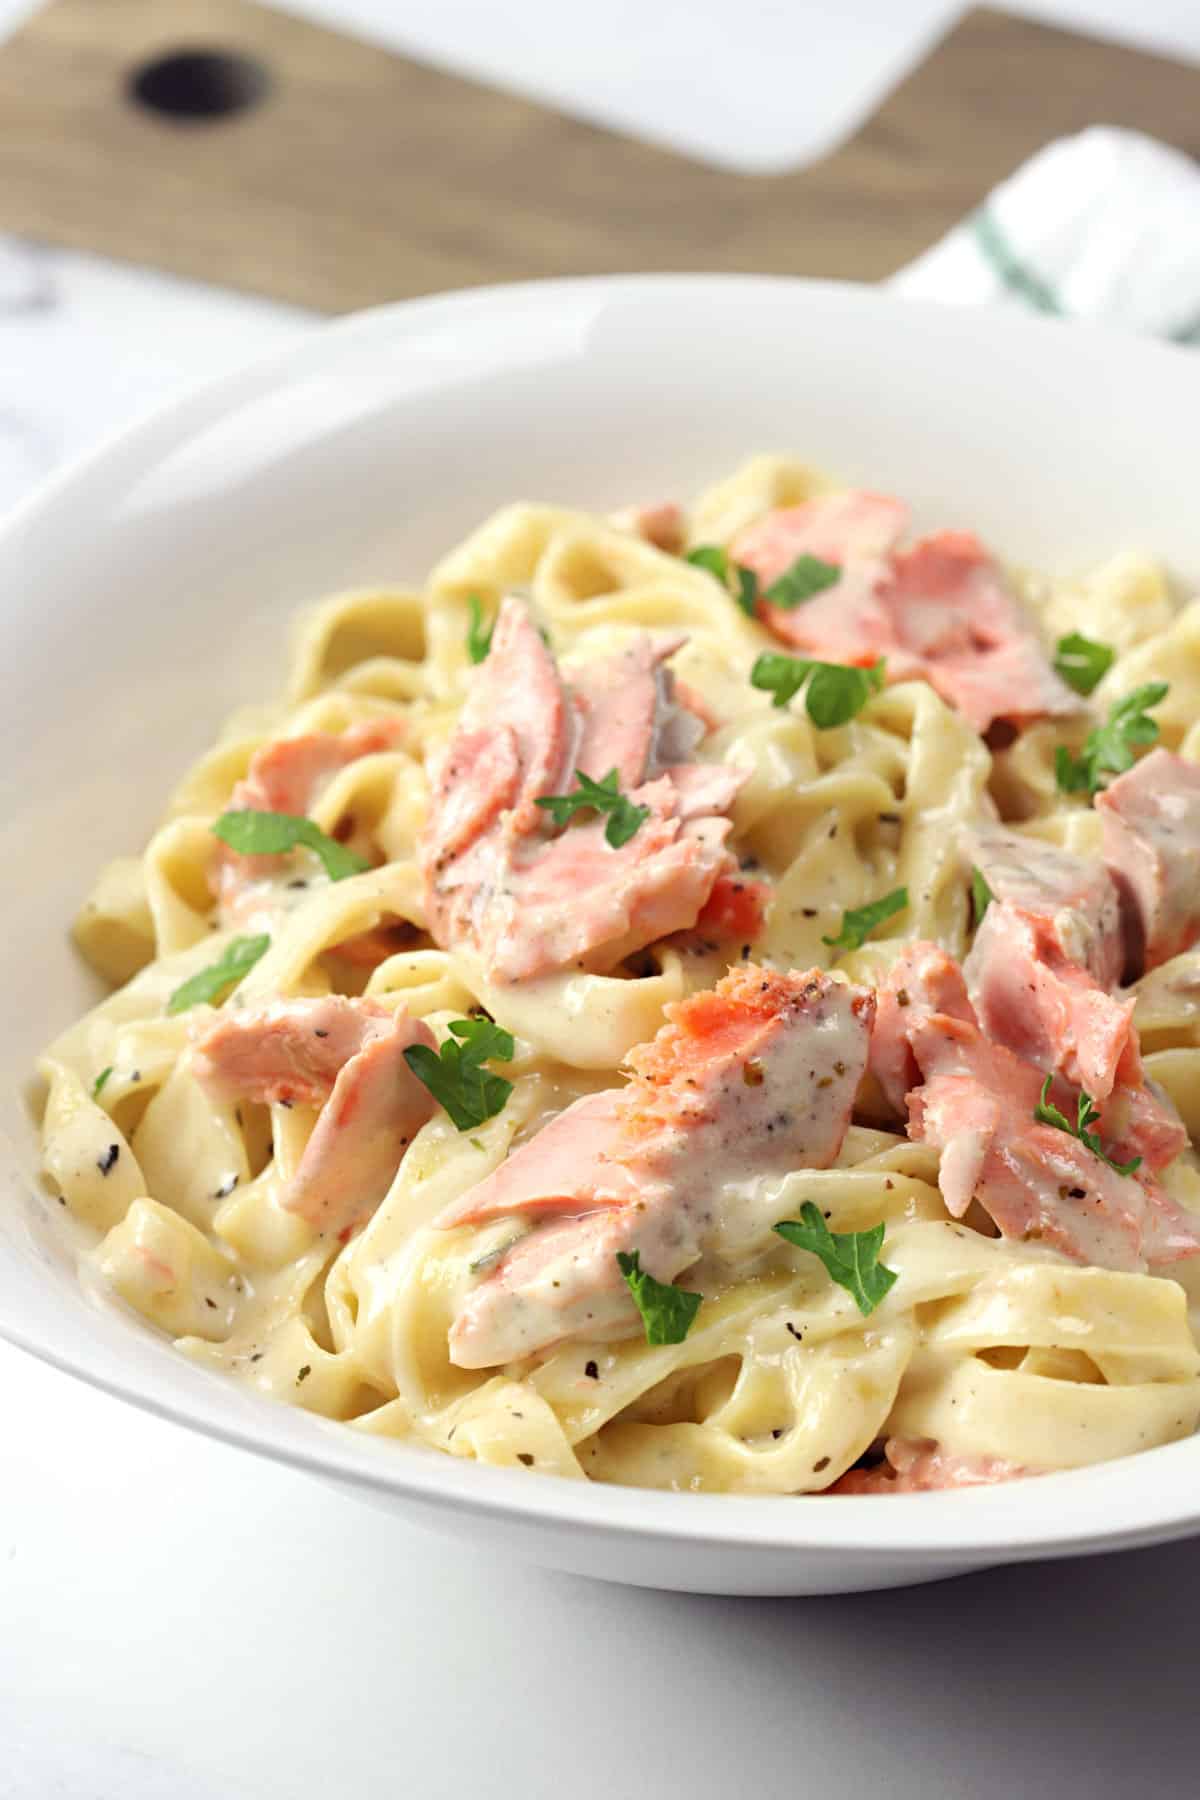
317	169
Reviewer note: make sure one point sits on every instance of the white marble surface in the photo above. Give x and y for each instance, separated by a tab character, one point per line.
178	1621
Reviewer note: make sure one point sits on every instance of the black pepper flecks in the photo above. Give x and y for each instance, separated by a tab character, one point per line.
591	1370
108	1161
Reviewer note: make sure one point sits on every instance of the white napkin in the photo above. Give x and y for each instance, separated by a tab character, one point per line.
1104	226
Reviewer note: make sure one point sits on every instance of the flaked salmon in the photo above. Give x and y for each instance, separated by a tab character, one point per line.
1045	957
854	531
501	879
953	610
919	1466
735	909
976	1102
940	610
345	1056
1151	818
755	1077
288	775
924	980
1039	973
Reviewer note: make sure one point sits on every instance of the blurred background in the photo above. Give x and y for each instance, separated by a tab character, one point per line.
186	183
183	182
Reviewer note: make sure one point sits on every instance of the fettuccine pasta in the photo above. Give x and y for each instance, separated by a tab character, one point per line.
365	1279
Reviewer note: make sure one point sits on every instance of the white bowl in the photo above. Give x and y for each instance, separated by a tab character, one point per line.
144	592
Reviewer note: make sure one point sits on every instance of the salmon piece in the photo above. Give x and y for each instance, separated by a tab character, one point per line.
574	900
940	611
477	785
346	1056
497	878
976	1105
287	776
544	1175
1139	1119
756	1077
629	718
1038	973
922	981
358	1142
1045	1008
848	622
288	1051
662	523
919	1466
516	740
1071	898
1151	817
1136	1119
736	908
952	609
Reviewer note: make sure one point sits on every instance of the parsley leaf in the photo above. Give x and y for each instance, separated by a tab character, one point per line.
253	833
1109	747
667	1312
747	594
479	635
981	895
807	576
455	1075
835	692
99	1084
716	560
711	557
851	1257
624	818
236	960
1086	1114
860	921
1082	662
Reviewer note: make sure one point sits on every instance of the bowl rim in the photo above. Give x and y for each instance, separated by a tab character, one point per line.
1136	1500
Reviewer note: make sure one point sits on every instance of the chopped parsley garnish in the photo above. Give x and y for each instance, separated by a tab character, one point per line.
667	1312
851	1257
1082	662
1086	1114
747	590
253	833
807	576
711	557
100	1082
860	921
716	560
236	960
981	894
1109	747
835	692
455	1075
624	818
479	635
